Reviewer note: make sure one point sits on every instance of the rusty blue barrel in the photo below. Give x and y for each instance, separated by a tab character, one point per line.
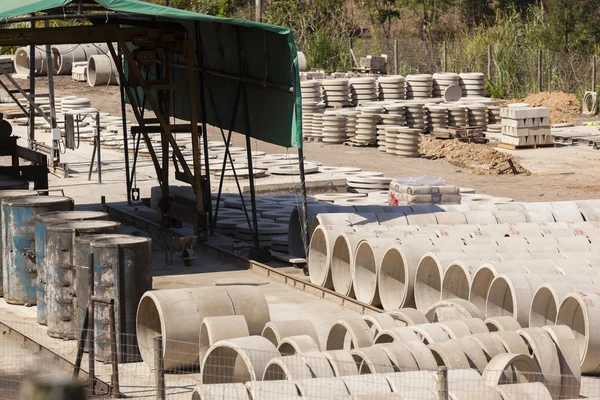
18	252
41	221
123	273
81	260
5	194
60	273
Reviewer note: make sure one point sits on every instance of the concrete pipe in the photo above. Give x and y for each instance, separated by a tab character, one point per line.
480	218
510	368
313	388
276	331
400	356
428	278
233	391
520	391
368	385
413	384
292	345
397	274
348	333
568	356
451	218
421	219
567	215
578	312
510	217
372	360
476	325
463	383
21	61
367	266
460	309
252	304
265	389
290	368
379	322
398	334
176	315
64	56
430	333
102	71
342	261
407	316
455	329
319	364
214	329
342	363
547	299
544	352
450	355
457	278
475	354
490	345
320	255
499	324
512	342
483	278
392	219
237	360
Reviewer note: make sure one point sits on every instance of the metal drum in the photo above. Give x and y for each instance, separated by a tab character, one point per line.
41	221
60	273
5	194
81	260
123	273
18	252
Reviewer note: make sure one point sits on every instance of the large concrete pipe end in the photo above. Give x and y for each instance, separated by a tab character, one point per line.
102	71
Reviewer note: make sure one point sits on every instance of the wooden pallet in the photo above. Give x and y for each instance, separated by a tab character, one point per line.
525	146
454	132
357	144
315	139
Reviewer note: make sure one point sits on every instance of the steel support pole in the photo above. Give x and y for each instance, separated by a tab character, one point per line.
125	133
32	48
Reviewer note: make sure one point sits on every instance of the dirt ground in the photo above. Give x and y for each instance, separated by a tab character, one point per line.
556	174
564	107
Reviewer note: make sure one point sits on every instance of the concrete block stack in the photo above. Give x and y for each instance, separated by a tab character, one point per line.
523	126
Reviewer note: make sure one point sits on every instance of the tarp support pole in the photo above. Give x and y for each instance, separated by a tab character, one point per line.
119	61
304	199
31	132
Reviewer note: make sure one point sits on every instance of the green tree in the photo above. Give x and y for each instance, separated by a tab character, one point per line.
382	14
572	25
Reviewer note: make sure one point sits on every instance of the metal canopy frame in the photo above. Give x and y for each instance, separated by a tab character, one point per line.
107	29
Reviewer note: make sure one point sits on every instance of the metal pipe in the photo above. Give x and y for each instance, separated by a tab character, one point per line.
304	199
31	133
98	140
125	135
91	316
159	363
81	344
49	70
113	351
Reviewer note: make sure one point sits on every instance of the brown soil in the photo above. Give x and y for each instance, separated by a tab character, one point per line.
564	107
478	159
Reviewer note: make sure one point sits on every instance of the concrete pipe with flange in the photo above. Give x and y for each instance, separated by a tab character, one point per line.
290	367
568	356
237	360
397	274
22	62
400	356
102	71
579	311
341	362
547	299
348	333
428	278
292	345
407	316
367	265
543	350
214	329
464	309
510	368
372	360
233	391
177	314
276	331
499	324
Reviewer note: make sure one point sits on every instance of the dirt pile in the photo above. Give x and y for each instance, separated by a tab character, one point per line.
564	107
479	159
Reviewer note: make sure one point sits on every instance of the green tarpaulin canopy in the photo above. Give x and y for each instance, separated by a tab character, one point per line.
269	57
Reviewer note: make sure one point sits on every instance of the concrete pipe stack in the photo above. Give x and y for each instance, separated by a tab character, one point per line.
419	86
472	84
364	182
396	109
494	132
311	97
416	116
494	114
351	122
317	124
458	116
478	115
363	90
74	103
437	117
334	128
381	129
391	87
391	133
407	142
336	92
366	127
441	81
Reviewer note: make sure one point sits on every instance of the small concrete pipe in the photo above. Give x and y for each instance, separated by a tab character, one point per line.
177	314
319	364
372	360
490	344
300	344
102	71
401	357
450	355
214	329
276	331
474	353
578	311
414	384
522	369
290	367
355	329
341	362
237	360
430	333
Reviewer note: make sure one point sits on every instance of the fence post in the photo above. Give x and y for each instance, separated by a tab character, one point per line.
396	57
594	74
539	82
442	383
489	62
444	57
159	364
